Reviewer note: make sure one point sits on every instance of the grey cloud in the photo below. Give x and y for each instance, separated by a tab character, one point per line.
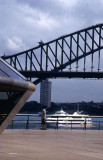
24	22
14	21
89	11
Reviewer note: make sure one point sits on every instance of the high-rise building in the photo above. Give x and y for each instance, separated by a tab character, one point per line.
45	93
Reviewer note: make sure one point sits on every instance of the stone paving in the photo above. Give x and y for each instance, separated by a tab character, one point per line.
51	145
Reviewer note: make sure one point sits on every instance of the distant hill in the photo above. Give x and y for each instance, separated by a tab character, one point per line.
31	107
90	108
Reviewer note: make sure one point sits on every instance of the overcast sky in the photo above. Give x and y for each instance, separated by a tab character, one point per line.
25	22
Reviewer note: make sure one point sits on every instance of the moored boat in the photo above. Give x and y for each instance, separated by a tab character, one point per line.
65	119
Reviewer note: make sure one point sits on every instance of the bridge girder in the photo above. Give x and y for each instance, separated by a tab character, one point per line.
47	74
52	58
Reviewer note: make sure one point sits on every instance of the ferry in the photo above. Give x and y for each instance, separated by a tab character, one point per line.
65	119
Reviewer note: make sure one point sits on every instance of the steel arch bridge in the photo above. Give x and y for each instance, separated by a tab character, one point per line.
75	55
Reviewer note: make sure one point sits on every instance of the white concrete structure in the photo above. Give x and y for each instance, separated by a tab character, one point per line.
14	92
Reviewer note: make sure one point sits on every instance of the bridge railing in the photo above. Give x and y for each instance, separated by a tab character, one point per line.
31	121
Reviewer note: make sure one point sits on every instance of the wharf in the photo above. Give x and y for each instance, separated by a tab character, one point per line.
22	144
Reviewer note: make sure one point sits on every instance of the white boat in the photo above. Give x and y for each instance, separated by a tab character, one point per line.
65	119
60	117
80	118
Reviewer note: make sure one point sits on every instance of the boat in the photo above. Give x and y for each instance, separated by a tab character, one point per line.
64	119
80	118
60	117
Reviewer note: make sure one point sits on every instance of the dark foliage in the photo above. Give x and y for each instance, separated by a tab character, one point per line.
87	108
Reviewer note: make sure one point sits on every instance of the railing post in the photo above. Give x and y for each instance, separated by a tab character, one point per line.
12	124
85	124
71	124
57	124
27	124
99	125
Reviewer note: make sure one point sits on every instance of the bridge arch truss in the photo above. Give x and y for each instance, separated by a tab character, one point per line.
78	54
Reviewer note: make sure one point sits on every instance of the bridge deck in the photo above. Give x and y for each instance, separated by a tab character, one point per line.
51	145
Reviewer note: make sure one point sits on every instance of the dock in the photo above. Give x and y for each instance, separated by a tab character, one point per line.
23	144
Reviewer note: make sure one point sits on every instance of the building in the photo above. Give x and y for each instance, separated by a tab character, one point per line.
14	92
45	93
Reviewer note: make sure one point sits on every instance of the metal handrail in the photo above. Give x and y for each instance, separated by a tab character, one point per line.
28	121
36	115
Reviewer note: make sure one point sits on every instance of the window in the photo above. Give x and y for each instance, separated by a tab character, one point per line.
8	100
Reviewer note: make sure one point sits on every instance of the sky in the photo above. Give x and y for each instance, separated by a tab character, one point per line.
23	23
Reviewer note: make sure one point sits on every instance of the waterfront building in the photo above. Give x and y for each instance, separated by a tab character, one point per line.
45	93
14	92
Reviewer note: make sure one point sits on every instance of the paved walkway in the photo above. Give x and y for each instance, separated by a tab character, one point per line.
51	145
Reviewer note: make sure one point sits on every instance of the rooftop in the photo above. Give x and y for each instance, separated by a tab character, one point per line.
29	144
7	70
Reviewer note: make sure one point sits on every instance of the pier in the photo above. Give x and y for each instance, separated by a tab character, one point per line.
30	144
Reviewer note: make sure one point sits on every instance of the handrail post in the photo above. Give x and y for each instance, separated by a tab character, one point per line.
27	124
12	124
85	124
57	124
71	124
99	125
